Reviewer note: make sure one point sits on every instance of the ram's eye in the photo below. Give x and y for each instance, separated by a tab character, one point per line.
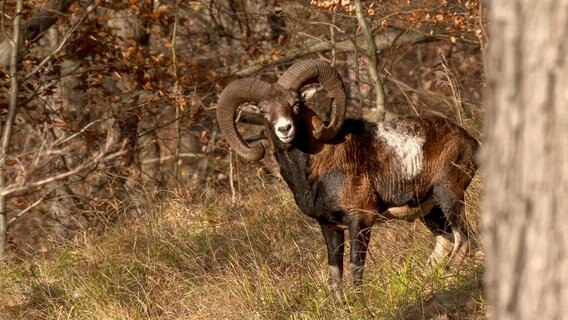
262	112
296	108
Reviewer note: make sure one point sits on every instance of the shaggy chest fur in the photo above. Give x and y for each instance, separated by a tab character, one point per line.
316	198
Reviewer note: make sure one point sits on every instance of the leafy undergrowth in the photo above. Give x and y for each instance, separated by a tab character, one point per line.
189	258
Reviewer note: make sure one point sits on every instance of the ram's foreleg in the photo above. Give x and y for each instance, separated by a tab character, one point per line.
359	236
334	239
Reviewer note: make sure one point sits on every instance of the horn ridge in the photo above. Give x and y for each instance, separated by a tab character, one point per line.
234	95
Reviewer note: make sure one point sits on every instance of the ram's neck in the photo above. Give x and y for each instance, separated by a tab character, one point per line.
305	141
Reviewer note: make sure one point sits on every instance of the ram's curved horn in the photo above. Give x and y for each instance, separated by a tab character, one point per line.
314	71
235	94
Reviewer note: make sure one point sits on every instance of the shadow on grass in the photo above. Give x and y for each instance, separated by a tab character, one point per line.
462	300
41	297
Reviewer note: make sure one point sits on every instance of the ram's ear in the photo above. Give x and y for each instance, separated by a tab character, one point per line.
251	108
308	92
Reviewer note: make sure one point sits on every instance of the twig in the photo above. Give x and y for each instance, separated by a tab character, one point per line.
2	20
101	157
331	24
332	38
28	208
231	178
66	37
307	35
166	158
65	139
90	124
453	85
404	93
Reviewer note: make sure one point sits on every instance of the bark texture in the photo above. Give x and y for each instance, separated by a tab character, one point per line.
526	160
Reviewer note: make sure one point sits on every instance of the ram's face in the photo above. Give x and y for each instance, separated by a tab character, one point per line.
279	110
281	104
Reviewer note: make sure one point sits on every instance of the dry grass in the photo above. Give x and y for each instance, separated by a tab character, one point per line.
189	258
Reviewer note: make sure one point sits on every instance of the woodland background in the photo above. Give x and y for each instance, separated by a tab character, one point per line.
116	162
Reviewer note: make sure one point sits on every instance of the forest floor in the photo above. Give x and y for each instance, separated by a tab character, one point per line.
192	256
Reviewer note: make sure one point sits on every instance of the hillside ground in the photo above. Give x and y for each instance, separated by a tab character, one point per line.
190	255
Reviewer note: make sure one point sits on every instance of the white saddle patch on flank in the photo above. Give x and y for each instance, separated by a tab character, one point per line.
406	145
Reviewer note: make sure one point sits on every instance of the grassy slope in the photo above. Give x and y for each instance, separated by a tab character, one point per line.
188	258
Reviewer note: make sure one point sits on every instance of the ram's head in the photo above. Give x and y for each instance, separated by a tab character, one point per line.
279	103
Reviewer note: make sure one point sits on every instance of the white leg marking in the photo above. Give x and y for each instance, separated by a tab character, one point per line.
460	247
335	279
441	251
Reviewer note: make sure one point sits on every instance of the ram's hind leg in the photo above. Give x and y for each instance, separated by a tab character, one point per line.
453	208
436	222
334	239
461	236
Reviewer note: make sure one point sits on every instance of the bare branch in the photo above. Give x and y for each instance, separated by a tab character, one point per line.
30	207
188	155
331	25
87	126
332	39
47	148
35	27
103	156
63	42
383	40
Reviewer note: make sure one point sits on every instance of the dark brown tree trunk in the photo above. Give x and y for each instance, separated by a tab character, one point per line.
526	160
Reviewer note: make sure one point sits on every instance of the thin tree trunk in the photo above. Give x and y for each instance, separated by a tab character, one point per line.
7	132
526	160
177	94
372	62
